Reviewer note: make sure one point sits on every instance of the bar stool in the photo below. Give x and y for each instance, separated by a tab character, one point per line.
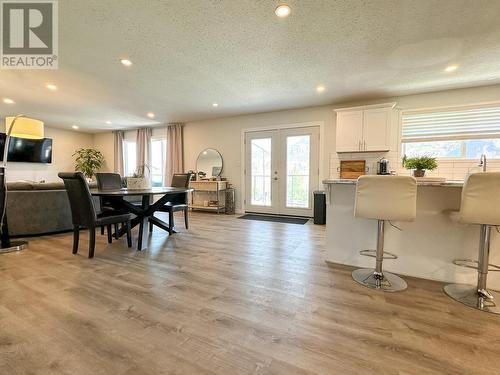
384	198
480	205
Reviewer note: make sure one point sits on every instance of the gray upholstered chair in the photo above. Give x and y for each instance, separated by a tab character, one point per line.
84	214
178	203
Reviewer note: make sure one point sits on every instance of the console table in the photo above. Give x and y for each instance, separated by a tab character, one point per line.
211	191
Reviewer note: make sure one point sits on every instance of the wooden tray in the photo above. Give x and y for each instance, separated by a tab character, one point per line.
352	169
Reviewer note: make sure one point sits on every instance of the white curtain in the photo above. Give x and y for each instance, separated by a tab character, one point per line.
118	140
175	159
143	149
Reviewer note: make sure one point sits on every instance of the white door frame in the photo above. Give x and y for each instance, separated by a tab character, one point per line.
320	124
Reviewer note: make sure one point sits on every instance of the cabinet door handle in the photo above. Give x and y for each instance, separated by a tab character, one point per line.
359	145
364	145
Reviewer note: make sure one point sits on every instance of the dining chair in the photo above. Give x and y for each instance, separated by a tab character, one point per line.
178	202
84	214
110	181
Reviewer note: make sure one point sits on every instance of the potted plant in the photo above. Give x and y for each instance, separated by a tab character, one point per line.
420	164
88	161
140	179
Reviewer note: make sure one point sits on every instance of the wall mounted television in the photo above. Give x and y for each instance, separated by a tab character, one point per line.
27	150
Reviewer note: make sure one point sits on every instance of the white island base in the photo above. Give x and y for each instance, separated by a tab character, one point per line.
425	248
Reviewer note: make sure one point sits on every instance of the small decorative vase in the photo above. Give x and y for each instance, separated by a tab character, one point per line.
419	173
138	183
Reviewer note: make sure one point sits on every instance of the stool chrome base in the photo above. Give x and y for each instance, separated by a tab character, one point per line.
14	246
468	295
388	283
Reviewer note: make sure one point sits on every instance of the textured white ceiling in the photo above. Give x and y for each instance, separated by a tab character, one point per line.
189	54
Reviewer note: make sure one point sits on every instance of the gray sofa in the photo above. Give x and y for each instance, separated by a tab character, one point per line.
37	208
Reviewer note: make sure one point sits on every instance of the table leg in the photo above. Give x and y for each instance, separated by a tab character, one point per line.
142	240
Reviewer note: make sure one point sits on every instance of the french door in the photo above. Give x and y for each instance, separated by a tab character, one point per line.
281	171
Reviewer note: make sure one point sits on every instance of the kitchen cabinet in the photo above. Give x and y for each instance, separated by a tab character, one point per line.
364	129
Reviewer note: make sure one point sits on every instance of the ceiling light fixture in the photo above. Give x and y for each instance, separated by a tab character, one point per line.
76	127
451	68
108	122
320	88
151	115
8	101
215	105
282	10
51	86
126	62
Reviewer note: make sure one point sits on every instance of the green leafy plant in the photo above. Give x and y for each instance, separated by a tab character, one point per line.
426	163
88	161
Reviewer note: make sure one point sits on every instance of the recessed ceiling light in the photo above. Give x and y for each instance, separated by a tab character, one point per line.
108	122
320	88
151	115
76	127
126	62
51	86
215	105
282	10
451	68
8	101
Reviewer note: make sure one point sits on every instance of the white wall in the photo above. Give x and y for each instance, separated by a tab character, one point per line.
64	144
225	134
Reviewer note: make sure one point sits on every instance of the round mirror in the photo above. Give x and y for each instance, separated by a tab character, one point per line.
209	163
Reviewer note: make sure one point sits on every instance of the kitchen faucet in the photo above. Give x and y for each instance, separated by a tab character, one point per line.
482	162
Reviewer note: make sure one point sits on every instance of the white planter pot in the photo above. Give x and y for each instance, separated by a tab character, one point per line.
138	183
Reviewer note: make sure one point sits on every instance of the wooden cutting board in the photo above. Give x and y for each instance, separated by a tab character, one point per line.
352	168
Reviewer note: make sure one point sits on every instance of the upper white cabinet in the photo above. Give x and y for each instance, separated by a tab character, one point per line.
364	128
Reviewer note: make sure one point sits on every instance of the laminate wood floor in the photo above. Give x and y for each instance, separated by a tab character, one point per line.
226	297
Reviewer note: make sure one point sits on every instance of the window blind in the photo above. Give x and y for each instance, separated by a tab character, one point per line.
464	123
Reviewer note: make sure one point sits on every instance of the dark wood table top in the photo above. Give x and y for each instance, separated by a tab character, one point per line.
152	191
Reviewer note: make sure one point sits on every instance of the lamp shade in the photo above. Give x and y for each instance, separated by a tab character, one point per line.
24	127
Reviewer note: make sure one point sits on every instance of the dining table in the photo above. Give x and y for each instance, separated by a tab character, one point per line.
145	209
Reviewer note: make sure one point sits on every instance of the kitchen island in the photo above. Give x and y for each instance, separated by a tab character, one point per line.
426	247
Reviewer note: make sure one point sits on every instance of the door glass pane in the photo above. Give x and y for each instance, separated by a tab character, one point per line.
129	157
158	154
297	171
261	172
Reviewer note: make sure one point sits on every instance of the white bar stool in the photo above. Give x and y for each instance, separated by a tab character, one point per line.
384	198
480	205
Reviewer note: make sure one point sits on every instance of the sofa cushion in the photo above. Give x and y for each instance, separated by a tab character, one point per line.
19	185
49	186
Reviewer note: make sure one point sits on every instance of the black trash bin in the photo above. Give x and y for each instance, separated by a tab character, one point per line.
319	207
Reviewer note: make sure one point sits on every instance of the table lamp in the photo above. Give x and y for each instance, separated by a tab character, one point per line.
22	127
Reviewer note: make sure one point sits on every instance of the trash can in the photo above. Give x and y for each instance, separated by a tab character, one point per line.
319	207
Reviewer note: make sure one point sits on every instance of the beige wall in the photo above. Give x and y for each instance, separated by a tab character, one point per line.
225	134
64	144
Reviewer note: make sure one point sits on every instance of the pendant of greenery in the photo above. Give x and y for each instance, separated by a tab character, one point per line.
88	161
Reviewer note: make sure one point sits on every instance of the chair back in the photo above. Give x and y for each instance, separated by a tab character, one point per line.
481	199
386	198
181	180
82	206
108	181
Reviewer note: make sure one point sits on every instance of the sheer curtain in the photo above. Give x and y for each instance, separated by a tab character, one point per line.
118	140
143	149
175	159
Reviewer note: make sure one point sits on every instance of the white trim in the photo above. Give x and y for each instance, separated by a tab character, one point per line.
370	106
320	124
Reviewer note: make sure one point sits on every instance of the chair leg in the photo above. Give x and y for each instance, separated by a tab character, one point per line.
186	218
91	242
102	230
170	221
129	233
150	227
110	237
76	238
116	231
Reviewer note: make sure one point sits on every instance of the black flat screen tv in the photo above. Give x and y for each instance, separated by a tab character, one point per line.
27	150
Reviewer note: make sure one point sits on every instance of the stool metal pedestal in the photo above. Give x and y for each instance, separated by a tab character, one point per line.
376	278
478	297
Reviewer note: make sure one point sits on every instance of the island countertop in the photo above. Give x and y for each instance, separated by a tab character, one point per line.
425	182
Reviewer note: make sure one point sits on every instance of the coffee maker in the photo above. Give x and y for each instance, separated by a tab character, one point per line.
383	167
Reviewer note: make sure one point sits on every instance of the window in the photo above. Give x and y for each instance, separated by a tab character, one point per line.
129	157
452	133
158	155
